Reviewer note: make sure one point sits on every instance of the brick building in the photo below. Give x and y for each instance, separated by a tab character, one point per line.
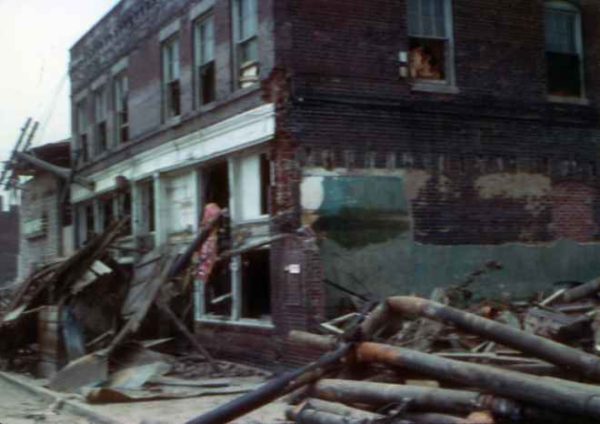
417	139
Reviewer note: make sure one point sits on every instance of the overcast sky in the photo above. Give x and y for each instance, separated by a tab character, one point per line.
35	37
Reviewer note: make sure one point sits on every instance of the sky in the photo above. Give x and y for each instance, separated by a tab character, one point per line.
35	38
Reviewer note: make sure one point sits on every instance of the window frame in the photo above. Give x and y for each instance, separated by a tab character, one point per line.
121	107
168	111
82	127
449	82
568	6
240	41
201	65
236	284
100	97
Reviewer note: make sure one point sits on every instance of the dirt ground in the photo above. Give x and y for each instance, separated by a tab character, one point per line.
182	410
20	407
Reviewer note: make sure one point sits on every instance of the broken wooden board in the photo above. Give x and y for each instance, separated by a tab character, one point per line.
171	381
135	377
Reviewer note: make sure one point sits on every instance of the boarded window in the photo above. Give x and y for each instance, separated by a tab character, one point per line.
171	75
430	40
205	60
563	50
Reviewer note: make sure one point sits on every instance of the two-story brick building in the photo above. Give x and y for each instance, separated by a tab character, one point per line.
416	139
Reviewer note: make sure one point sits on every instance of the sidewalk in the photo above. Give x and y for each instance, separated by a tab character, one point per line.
156	412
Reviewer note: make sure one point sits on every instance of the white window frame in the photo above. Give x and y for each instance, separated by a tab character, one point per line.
236	284
449	82
202	61
171	73
241	39
566	6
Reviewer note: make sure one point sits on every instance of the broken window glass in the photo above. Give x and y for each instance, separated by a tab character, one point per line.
563	50
429	39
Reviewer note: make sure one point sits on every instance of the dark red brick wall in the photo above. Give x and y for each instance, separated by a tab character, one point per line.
341	104
143	49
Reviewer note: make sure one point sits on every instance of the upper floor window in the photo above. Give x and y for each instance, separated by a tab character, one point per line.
100	127
564	49
121	93
81	120
246	36
431	49
171	85
204	60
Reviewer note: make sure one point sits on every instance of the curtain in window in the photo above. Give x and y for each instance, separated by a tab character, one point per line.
561	30
427	18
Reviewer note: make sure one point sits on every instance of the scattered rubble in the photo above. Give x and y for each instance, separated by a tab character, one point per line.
411	361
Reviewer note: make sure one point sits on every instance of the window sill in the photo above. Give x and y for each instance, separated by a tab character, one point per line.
581	101
432	87
171	122
248	323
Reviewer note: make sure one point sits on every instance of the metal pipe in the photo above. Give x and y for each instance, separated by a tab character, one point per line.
563	398
579	362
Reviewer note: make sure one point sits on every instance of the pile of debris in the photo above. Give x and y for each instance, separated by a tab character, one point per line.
78	316
411	360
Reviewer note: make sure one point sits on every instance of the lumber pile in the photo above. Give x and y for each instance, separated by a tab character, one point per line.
411	360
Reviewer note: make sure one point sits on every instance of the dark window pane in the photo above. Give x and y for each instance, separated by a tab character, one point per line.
207	83
564	74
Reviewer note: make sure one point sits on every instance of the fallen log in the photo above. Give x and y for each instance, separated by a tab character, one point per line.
562	398
274	389
584	364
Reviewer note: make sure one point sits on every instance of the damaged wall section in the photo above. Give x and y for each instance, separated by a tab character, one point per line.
375	232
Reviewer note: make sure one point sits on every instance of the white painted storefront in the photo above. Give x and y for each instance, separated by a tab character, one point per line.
172	175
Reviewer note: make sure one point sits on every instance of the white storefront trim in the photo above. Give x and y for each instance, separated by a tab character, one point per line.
239	132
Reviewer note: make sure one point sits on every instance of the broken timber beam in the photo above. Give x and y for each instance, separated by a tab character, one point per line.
164	308
583	363
274	389
59	171
184	259
562	398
